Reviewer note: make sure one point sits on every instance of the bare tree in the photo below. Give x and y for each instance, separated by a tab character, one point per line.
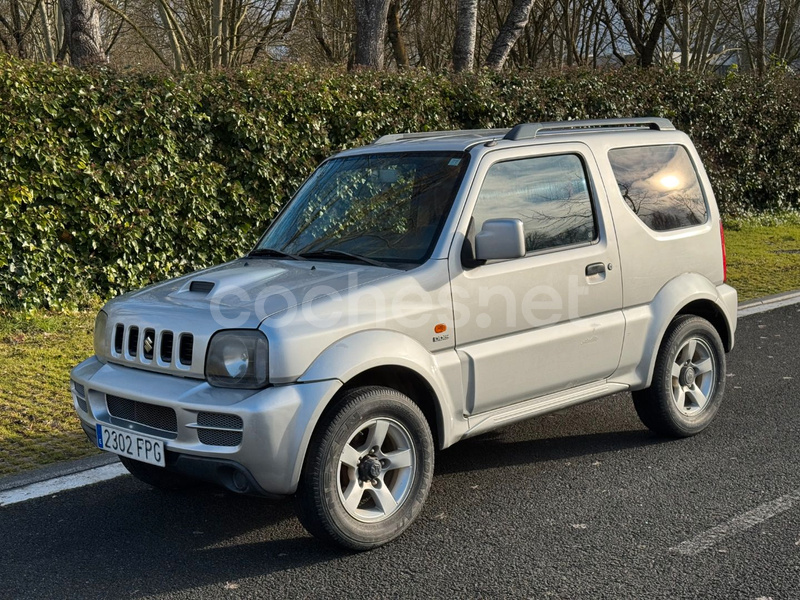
82	33
644	22
466	32
509	33
371	19
396	35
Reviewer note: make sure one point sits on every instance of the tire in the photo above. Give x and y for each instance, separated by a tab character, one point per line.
155	476
368	469
688	380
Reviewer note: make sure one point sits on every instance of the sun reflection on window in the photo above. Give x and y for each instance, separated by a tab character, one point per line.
670	182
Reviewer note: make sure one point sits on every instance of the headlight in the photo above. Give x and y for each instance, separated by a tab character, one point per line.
237	358
102	346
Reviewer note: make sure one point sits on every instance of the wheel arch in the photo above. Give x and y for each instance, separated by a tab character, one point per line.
688	294
388	359
711	312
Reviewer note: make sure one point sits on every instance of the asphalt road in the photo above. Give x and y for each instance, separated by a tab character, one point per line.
582	504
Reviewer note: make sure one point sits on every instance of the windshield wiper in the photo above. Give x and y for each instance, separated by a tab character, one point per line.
332	253
274	253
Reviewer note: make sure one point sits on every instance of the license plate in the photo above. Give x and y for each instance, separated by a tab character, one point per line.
135	446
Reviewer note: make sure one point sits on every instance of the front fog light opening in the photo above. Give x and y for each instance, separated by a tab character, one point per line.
237	358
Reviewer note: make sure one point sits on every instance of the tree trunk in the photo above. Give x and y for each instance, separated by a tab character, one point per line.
786	25
509	34
371	18
395	37
685	41
47	33
466	31
16	21
217	7
82	32
761	34
644	36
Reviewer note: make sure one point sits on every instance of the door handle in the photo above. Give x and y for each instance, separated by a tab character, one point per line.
595	269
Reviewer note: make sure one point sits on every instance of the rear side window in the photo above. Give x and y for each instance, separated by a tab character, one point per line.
549	194
659	184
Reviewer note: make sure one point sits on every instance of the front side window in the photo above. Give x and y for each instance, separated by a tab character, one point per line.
549	194
387	207
659	184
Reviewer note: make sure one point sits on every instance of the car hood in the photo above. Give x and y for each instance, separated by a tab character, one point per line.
257	287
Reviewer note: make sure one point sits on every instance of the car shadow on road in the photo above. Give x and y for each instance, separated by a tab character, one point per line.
606	425
493	451
123	537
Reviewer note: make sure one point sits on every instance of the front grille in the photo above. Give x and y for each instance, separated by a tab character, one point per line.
186	348
132	343
166	346
219	420
133	340
218	437
219	429
148	344
119	333
150	415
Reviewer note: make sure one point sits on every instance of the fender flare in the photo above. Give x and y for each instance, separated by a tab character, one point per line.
665	306
352	355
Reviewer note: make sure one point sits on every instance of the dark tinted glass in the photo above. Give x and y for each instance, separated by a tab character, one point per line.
548	194
659	184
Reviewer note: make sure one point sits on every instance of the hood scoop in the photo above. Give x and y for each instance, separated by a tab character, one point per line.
202	287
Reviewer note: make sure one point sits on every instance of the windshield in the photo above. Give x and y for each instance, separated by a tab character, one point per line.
383	208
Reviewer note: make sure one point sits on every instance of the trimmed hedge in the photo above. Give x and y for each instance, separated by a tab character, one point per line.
109	181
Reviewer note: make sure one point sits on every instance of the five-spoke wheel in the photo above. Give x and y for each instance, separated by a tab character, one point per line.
368	469
693	376
688	379
376	469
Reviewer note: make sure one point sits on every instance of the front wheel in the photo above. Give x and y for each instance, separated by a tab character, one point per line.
688	380
368	469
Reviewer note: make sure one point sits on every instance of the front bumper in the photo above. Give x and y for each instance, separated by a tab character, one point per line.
275	423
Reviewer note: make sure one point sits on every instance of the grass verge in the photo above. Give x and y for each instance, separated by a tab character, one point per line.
38	425
37	349
763	255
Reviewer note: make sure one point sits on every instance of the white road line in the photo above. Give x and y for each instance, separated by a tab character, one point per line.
736	525
60	484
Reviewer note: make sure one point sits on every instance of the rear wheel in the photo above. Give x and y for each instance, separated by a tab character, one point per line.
368	470
688	380
156	476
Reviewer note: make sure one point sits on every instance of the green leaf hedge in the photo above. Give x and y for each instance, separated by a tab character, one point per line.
110	181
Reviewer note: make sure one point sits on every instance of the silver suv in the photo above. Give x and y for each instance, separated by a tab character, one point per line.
415	292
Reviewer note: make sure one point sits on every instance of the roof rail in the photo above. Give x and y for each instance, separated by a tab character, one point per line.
525	131
420	135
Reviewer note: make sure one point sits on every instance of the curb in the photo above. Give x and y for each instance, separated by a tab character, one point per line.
766	303
55	470
61	469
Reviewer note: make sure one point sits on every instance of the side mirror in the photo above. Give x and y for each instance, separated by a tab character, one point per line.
500	239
